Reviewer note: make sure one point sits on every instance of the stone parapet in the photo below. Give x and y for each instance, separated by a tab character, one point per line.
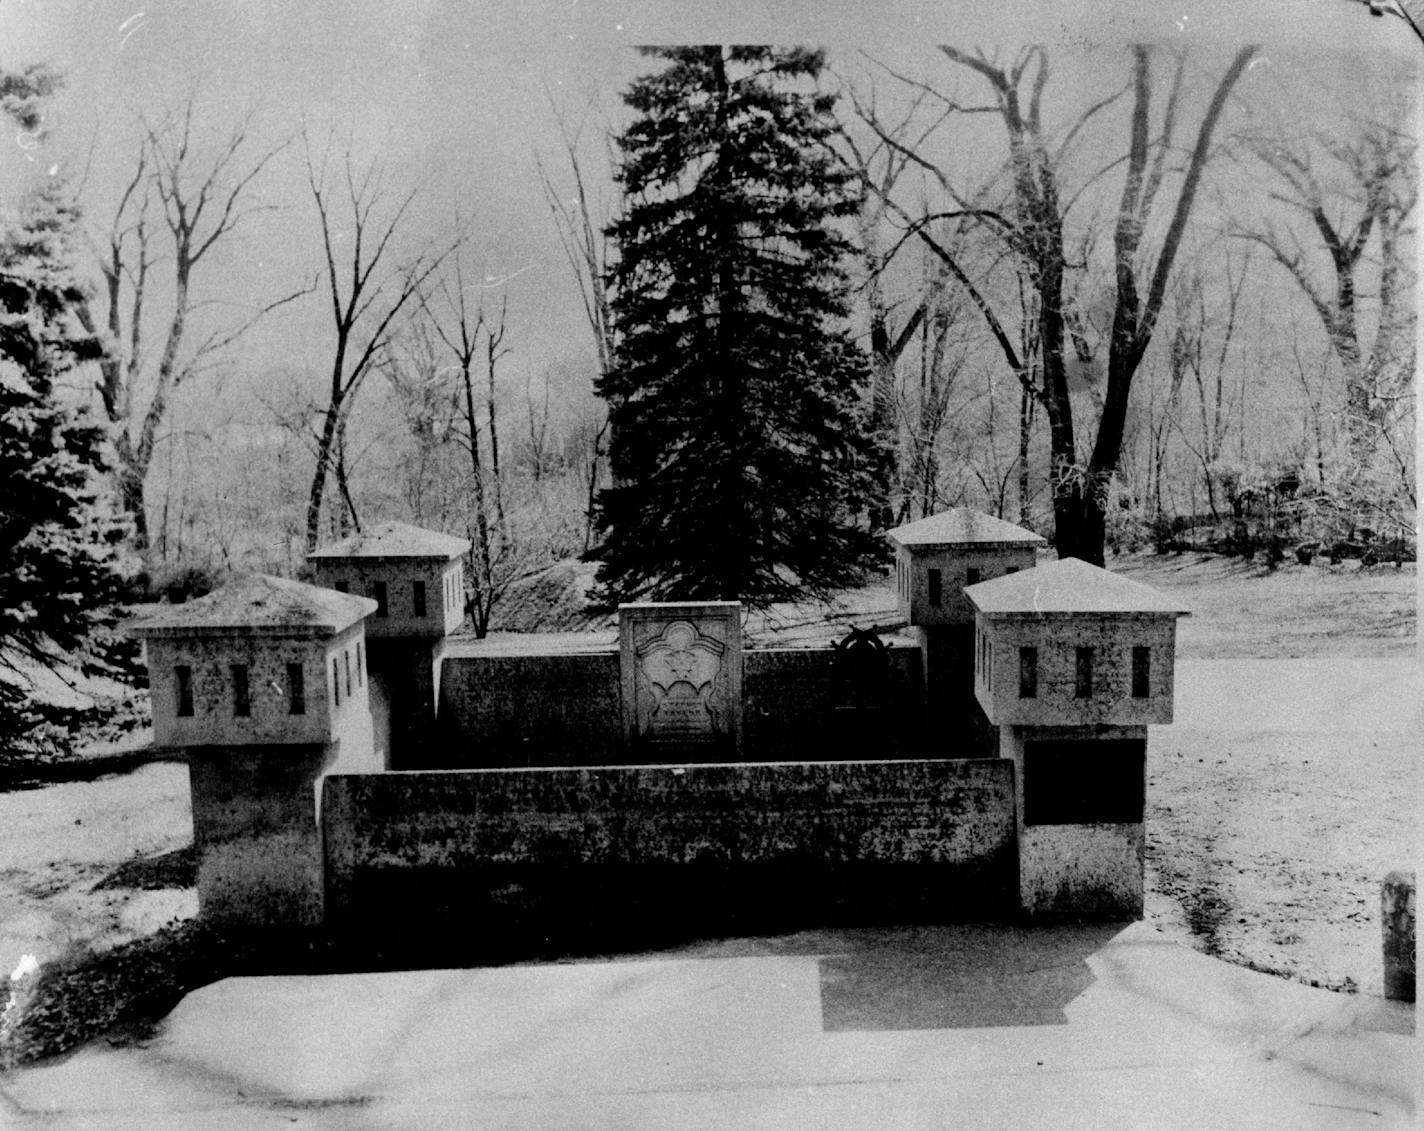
415	848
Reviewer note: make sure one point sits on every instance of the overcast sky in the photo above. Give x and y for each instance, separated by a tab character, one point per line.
462	94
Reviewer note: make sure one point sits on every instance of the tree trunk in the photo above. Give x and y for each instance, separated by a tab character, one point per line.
323	465
1026	404
480	605
131	499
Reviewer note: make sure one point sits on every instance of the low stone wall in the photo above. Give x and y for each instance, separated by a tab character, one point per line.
511	708
517	709
796	707
589	851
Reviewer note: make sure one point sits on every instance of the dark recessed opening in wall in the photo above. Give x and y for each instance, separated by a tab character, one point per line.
1028	673
296	690
241	699
1083	673
183	676
1141	672
1074	781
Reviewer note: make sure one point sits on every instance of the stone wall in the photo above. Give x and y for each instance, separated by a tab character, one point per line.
796	708
651	845
511	708
1057	640
444	592
955	723
209	660
1079	824
405	692
345	669
953	563
516	709
255	832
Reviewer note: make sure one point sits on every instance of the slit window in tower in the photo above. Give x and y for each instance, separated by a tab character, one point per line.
241	701
184	675
296	690
1141	672
1028	673
1083	674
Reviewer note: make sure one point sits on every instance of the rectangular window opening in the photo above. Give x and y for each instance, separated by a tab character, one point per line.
296	690
184	676
1028	673
1012	569
360	665
336	680
971	575
1083	674
936	588
343	587
378	591
417	597
241	702
346	662
1141	672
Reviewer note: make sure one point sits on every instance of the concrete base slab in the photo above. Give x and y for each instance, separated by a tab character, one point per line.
965	1026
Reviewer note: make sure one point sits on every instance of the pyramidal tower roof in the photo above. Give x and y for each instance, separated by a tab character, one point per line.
395	540
962	526
257	605
1068	586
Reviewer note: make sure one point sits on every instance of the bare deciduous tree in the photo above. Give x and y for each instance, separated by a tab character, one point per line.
1349	200
1036	233
425	399
1191	352
583	226
881	166
366	296
182	200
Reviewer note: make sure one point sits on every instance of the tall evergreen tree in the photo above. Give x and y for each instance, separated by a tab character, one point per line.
740	456
60	536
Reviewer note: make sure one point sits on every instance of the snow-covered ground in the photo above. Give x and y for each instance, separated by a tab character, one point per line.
58	843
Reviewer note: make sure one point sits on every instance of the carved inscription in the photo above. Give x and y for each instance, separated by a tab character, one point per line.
681	667
681	679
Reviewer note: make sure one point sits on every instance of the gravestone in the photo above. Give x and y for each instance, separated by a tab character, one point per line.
681	679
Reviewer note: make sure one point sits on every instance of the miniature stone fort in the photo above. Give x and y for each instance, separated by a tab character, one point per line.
356	767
